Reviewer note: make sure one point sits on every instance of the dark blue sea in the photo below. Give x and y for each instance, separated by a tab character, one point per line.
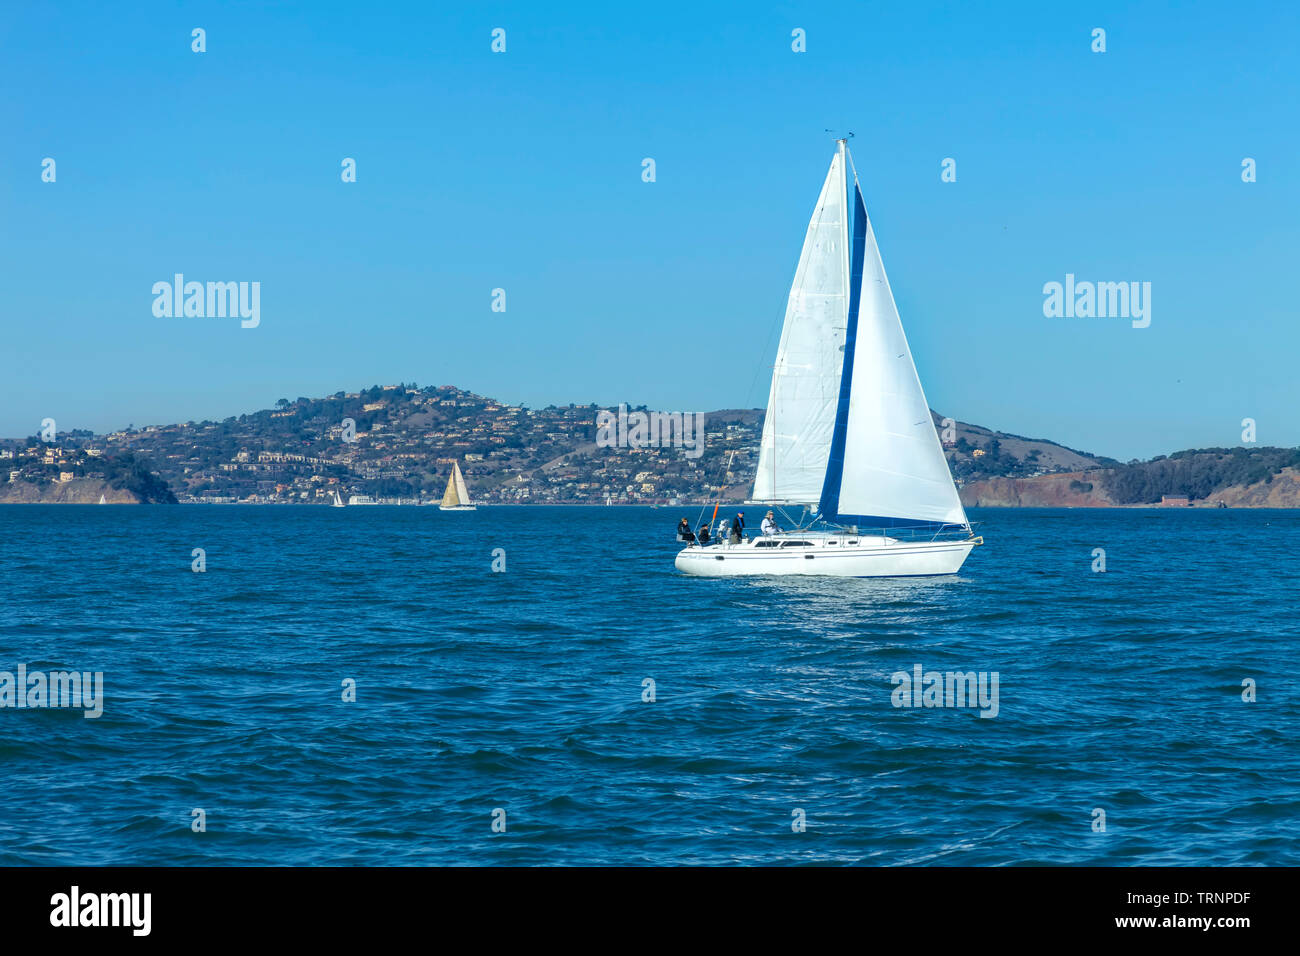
521	691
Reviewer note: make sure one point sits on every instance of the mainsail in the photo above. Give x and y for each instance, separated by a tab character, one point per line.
801	404
881	463
456	493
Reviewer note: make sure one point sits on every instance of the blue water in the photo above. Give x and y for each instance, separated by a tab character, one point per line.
522	690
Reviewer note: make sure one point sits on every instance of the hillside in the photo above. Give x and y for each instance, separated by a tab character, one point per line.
78	491
1197	473
1073	489
977	453
1215	477
396	443
1281	490
72	472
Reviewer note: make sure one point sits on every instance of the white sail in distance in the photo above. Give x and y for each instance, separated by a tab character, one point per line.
456	493
801	404
461	491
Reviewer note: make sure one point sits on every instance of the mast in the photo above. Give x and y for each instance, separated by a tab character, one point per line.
845	159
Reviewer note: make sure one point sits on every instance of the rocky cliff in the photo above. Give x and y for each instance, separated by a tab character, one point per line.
1277	491
1072	489
1082	489
79	491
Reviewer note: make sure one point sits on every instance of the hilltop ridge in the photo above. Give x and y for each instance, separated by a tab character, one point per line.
396	443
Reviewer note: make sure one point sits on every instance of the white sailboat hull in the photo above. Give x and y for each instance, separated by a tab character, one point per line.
870	557
457	507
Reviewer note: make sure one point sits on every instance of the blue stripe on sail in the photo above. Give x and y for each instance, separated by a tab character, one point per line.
828	506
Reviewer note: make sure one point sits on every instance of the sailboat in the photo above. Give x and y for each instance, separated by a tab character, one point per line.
103	500
848	438
456	497
338	502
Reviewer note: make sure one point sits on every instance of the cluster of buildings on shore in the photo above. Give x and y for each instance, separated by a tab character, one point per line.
396	444
23	461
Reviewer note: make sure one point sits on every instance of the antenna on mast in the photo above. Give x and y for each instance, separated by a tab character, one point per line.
838	138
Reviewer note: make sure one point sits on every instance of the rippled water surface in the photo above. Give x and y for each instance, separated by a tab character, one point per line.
522	690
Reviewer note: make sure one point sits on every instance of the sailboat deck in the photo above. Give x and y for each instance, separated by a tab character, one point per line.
818	539
873	538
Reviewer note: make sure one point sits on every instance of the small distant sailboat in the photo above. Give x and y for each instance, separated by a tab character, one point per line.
848	435
103	500
456	497
338	502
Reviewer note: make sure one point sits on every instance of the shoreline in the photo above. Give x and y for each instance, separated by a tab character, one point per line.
1195	506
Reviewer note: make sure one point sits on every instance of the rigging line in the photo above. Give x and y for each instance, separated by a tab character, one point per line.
722	490
749	393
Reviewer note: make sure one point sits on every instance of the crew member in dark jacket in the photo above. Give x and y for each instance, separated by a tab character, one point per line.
702	534
738	528
684	532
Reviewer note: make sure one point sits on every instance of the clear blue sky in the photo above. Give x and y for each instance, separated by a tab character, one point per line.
522	170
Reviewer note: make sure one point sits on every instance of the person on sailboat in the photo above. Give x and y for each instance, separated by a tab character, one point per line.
769	524
738	528
684	532
702	535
